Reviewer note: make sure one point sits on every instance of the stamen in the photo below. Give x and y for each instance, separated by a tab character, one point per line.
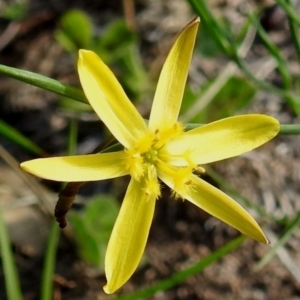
134	163
152	186
199	170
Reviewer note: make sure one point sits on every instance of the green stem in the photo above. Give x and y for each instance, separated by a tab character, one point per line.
289	129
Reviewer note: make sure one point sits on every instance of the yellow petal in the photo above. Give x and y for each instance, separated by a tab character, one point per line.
172	80
129	237
223	139
218	204
78	168
109	100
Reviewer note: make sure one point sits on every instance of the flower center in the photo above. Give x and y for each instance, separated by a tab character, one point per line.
142	159
150	156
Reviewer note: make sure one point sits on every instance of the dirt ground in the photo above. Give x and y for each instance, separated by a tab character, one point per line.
181	234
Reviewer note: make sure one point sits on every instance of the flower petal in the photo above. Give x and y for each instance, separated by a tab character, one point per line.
78	168
223	139
218	204
109	100
129	236
172	80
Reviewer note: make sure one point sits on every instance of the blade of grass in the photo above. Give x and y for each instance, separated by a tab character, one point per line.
228	71
221	35
274	51
49	263
230	48
44	82
12	284
290	11
18	138
292	99
293	29
183	275
284	255
280	242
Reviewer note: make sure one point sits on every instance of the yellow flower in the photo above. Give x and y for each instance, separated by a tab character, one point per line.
161	150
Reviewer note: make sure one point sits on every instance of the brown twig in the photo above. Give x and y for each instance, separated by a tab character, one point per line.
129	12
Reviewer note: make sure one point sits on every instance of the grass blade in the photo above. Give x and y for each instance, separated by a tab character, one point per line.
273	50
18	138
280	242
220	34
12	284
44	82
49	264
294	29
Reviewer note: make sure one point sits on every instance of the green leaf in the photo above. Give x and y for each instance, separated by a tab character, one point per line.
88	248
76	31
93	227
118	47
14	11
115	37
